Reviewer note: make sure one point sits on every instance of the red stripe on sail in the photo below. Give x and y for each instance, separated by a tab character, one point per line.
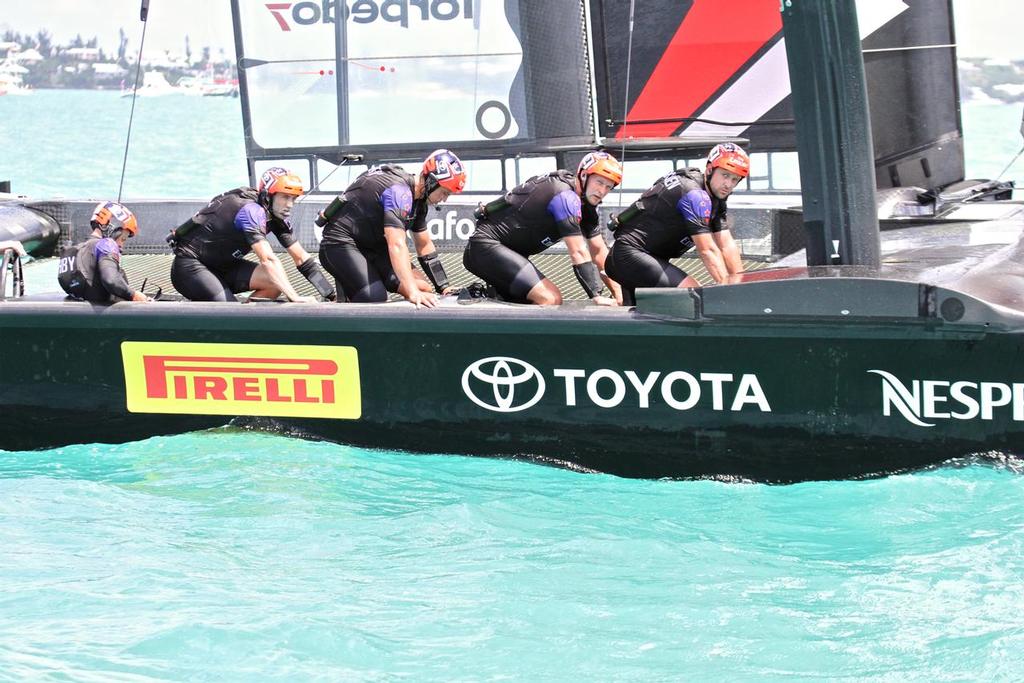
712	43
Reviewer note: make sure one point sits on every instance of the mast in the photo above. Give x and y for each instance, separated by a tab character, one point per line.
341	70
833	131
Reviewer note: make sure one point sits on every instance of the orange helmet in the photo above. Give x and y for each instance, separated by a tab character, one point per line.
109	217
443	169
600	163
729	157
282	180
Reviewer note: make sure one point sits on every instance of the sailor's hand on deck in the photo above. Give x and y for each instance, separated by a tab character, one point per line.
604	301
306	300
418	298
139	296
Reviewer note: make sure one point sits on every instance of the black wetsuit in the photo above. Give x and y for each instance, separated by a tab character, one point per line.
540	212
209	258
92	271
670	213
353	248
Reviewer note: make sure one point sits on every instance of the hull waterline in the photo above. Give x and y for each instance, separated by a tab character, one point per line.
680	387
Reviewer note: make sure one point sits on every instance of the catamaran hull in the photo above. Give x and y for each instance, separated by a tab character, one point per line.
608	390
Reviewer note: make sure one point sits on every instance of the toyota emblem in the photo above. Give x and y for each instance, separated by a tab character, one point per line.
503	384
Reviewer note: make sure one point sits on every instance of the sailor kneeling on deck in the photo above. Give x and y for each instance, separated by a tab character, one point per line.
92	269
534	216
364	240
210	248
682	210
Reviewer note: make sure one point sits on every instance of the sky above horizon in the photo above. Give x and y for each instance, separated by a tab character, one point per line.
207	23
985	28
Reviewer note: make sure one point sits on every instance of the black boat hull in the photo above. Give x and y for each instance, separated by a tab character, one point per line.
633	393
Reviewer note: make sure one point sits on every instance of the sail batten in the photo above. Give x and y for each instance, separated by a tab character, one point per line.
373	76
394	79
706	69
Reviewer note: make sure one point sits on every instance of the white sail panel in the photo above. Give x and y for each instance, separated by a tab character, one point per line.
396	71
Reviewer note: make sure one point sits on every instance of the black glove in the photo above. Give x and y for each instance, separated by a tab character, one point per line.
434	270
589	278
311	271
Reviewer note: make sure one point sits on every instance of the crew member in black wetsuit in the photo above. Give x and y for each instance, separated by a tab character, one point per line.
534	216
210	248
364	241
684	209
92	269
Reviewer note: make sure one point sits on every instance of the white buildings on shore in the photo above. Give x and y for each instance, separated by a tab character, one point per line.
90	67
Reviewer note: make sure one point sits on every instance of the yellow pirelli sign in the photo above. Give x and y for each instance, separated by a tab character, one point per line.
269	380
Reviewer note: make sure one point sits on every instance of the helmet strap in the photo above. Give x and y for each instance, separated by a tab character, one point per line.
105	230
429	184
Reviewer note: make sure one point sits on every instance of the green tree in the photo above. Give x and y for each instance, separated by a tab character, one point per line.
122	47
45	43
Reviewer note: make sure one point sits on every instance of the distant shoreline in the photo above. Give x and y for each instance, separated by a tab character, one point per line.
980	91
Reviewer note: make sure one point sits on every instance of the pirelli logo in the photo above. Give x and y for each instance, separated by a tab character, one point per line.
242	379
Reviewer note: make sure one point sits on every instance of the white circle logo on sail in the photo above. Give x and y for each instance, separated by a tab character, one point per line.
503	384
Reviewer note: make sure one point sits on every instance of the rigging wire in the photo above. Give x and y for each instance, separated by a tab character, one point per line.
476	60
345	158
143	14
1017	156
1018	153
625	103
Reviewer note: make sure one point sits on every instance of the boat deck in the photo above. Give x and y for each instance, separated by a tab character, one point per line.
155	269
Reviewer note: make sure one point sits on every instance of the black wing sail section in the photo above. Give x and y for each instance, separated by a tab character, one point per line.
691	60
705	69
395	79
910	66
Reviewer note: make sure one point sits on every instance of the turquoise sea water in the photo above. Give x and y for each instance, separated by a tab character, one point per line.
231	555
71	143
242	556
